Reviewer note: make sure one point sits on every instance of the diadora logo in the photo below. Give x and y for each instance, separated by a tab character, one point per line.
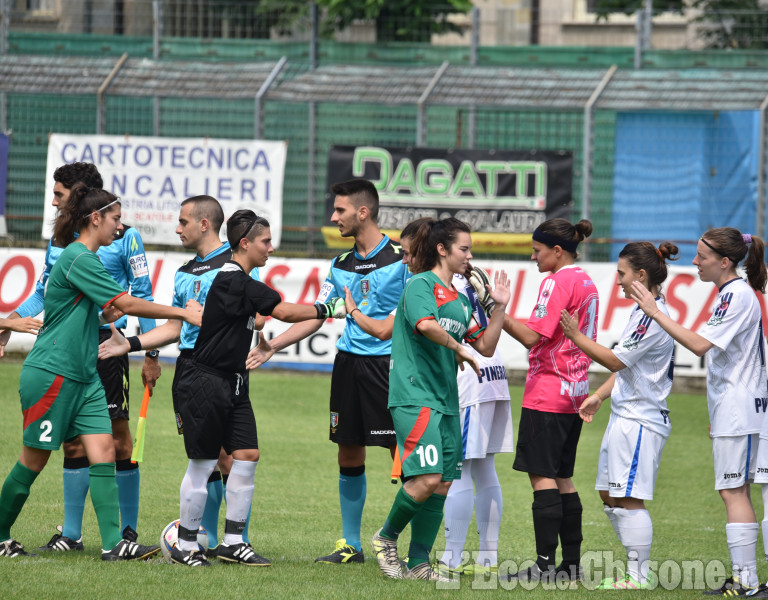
365	267
201	268
731	475
761	404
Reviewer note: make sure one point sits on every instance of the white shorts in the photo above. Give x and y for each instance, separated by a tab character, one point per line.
486	428
735	458
761	462
629	459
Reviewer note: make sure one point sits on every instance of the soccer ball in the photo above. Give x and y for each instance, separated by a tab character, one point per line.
170	536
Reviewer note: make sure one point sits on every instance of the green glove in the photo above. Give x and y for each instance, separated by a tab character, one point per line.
334	309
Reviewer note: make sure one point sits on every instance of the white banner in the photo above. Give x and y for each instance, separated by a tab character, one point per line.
298	280
153	175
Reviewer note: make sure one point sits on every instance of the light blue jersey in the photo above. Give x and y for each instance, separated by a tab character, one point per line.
376	283
124	259
192	282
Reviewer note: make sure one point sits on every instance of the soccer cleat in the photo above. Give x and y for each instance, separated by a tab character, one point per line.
760	591
447	571
630	583
242	554
61	543
608	583
126	550
212	552
343	553
532	573
731	587
190	558
476	569
11	549
425	572
386	553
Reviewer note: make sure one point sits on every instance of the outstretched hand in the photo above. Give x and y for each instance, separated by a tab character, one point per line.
116	345
259	354
644	298
569	324
589	407
500	293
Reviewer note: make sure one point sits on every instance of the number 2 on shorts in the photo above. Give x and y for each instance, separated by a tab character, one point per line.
46	427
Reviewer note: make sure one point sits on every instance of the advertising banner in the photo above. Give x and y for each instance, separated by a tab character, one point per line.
690	302
502	194
152	176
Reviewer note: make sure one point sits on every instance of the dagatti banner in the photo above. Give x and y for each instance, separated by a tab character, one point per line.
690	302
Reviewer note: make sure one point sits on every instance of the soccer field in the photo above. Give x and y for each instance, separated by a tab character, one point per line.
296	514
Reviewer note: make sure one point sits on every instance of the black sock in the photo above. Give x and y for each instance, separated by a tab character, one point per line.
570	529
547	515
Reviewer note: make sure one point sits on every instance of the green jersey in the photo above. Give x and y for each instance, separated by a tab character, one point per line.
421	372
68	342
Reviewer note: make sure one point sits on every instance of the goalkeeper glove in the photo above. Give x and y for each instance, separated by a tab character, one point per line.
334	309
479	279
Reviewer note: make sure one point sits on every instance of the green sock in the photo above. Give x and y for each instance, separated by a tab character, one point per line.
13	496
104	496
424	529
403	510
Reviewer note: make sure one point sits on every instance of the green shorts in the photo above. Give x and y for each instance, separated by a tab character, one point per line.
428	440
56	409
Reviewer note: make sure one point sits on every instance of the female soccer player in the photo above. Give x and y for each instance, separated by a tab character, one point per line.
423	395
556	385
639	426
733	341
61	393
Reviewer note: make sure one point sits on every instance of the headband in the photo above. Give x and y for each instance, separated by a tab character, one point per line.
720	252
554	240
102	208
248	229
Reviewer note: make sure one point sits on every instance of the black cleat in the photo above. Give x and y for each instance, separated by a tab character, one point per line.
190	558
342	554
126	550
242	554
61	543
11	549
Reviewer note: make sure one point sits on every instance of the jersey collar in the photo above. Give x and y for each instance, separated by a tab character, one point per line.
384	241
223	248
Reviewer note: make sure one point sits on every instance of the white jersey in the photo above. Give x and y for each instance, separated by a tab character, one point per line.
492	385
737	393
641	389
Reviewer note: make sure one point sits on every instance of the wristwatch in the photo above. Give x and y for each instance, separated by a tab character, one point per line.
152	354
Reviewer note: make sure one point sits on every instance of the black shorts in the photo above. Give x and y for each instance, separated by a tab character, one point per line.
183	362
215	412
359	396
546	443
113	373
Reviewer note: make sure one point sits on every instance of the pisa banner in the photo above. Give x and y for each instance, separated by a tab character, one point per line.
3	180
153	175
502	194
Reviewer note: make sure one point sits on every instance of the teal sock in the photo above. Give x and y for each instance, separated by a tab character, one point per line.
403	510
76	481
245	529
105	503
425	526
352	491
210	520
13	495
128	479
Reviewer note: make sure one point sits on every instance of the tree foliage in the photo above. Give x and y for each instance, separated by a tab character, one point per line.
605	7
734	24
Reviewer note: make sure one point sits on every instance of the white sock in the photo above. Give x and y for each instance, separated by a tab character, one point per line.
742	544
239	496
488	509
459	505
764	489
192	496
636	535
608	510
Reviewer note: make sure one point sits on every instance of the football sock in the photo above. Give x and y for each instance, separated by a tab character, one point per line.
459	505
547	511
212	506
105	503
13	495
636	535
192	497
765	537
764	489
742	543
76	479
425	526
401	513
128	479
488	509
239	498
570	529
609	512
352	491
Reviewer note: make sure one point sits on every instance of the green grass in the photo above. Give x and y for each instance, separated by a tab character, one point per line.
296	515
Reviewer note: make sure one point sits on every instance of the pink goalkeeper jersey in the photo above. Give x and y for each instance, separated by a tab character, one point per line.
557	370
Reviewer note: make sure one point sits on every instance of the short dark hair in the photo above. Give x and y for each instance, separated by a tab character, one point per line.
244	224
78	172
207	207
362	193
